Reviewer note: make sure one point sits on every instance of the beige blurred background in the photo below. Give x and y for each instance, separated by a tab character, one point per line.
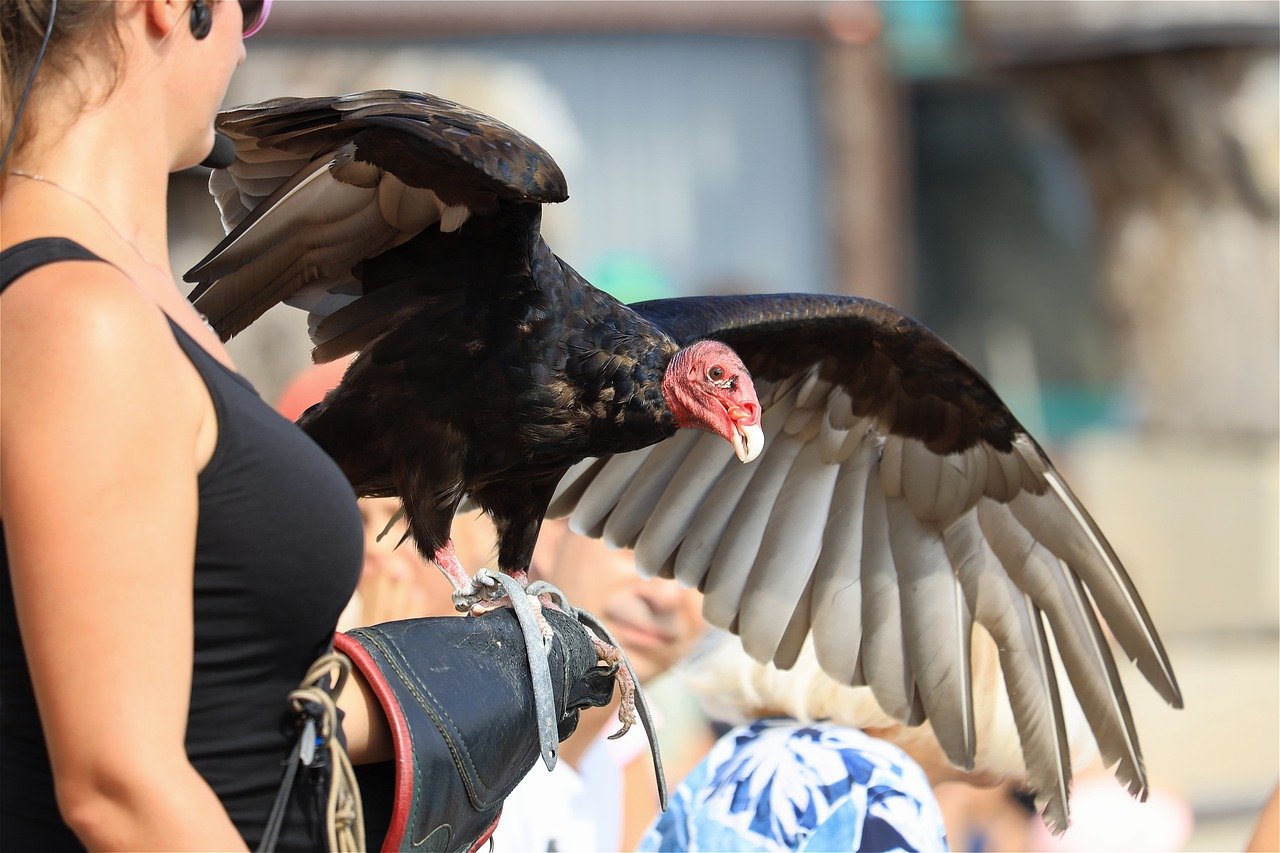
1081	196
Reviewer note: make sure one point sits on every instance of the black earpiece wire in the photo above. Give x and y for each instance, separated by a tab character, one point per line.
26	92
218	158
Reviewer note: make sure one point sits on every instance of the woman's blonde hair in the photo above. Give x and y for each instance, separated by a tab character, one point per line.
736	689
76	24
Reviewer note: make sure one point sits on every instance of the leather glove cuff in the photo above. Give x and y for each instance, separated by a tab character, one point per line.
458	698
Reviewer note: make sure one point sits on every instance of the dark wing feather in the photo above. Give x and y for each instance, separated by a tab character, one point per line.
891	366
322	184
929	507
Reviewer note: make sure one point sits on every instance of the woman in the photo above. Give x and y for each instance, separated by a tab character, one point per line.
177	553
818	765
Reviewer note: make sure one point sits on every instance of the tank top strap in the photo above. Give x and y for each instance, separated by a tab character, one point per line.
17	261
212	370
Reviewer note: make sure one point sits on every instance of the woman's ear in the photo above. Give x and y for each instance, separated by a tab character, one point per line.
162	16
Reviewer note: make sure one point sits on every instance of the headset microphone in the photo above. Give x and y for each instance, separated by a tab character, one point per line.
224	150
223	153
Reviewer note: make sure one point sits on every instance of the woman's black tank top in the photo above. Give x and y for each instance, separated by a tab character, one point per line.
279	549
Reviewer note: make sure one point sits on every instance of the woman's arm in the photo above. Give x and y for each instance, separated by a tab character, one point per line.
101	426
364	723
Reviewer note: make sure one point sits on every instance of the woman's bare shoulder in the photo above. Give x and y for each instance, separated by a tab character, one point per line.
77	303
85	327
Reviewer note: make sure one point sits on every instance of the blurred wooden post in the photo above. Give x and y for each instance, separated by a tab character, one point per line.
866	159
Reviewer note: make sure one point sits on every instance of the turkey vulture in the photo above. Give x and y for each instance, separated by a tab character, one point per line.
896	501
488	366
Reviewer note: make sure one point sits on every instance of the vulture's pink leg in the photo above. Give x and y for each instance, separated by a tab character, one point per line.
468	599
447	559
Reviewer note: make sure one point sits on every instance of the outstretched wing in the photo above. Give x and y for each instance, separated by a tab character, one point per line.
322	184
897	501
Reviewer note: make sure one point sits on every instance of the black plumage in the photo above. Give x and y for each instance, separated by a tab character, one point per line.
493	392
897	500
488	366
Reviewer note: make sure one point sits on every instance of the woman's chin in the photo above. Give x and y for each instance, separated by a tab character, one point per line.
195	153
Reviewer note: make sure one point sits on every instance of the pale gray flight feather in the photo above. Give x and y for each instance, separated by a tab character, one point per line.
837	614
1032	688
1085	655
883	654
936	628
1060	522
902	569
635	507
788	551
739	544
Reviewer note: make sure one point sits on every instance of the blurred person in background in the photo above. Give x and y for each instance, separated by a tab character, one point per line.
602	793
981	819
817	765
1266	832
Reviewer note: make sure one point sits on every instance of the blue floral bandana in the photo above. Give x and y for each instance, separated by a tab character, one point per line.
783	785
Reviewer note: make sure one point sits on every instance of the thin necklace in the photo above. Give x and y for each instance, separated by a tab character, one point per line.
57	186
32	176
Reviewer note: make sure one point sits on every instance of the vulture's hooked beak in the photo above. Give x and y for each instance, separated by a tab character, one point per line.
748	437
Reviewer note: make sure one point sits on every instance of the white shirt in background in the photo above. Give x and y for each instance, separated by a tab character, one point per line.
567	810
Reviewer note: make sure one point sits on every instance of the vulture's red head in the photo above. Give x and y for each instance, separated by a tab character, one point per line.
707	386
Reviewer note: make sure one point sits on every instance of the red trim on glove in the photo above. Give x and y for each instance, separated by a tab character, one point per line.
401	743
487	834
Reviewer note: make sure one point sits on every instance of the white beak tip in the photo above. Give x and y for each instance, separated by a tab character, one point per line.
748	442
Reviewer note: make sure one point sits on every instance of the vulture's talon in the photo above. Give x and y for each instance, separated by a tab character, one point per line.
543	627
613	656
483	594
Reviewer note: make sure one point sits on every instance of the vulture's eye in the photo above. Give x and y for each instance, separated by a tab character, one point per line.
716	373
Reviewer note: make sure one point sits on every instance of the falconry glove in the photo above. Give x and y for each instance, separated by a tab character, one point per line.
458	698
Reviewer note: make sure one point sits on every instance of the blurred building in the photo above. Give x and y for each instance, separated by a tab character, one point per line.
1081	196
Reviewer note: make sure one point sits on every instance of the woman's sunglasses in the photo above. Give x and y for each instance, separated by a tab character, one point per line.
255	15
